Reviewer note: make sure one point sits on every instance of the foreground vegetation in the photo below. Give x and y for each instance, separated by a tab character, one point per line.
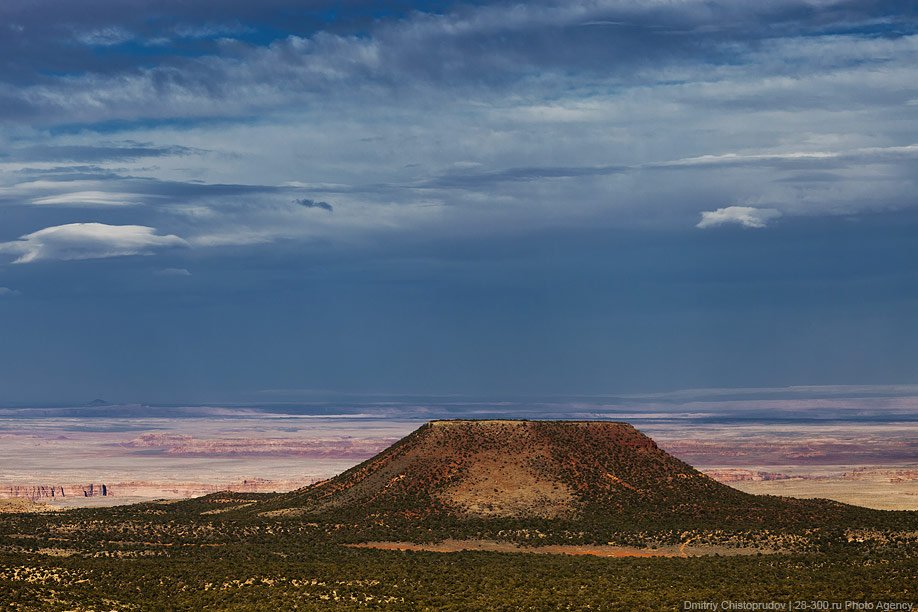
199	554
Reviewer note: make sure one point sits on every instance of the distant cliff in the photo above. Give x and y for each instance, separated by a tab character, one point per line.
47	492
137	490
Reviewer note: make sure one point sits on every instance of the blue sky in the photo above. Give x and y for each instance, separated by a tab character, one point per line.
224	199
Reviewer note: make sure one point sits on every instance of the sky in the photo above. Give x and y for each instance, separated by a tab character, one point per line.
226	200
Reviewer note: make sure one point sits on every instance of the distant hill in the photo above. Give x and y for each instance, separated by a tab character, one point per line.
592	476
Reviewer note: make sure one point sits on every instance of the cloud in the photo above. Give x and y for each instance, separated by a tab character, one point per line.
105	37
7	292
88	241
307	203
500	45
472	180
793	159
89	187
747	216
89	199
810	98
212	30
122	151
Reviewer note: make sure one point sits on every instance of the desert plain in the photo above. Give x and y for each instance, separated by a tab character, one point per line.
854	448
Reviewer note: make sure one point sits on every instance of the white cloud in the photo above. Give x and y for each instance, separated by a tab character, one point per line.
89	199
88	241
7	292
747	216
863	154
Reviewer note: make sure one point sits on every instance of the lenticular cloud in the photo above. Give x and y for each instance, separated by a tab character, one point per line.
88	241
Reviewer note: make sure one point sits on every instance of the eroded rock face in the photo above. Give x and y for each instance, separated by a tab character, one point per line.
744	475
53	492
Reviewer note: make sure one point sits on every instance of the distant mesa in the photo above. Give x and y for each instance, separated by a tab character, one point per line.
99	402
590	475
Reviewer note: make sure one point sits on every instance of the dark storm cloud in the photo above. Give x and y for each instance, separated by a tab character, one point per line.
307	203
192	189
575	312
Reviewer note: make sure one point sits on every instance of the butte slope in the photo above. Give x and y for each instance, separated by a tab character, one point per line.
587	475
